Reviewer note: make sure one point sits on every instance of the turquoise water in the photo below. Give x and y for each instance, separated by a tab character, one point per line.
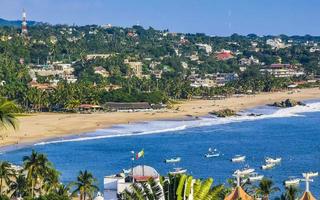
293	134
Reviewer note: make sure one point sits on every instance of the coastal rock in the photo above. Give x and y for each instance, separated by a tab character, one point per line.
224	113
288	103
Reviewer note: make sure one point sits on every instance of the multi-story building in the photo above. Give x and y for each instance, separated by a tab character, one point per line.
283	71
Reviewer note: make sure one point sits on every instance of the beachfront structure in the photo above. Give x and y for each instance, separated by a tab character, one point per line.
282	71
238	192
128	107
114	185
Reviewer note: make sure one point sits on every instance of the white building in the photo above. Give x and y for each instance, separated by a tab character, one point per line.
282	71
277	43
116	184
205	47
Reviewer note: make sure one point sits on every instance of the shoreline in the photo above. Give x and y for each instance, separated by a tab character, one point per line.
46	126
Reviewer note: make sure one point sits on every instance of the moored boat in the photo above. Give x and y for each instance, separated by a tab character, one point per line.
310	174
245	171
173	160
268	166
212	154
273	160
292	182
178	171
255	177
238	158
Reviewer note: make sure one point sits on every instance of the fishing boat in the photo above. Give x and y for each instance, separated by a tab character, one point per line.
245	171
268	166
273	160
292	181
178	171
255	177
310	174
173	160
238	158
212	154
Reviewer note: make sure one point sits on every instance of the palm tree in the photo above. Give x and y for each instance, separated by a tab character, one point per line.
266	188
19	186
85	185
6	173
150	190
290	194
8	110
37	167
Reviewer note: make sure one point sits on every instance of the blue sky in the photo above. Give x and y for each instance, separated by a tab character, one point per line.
213	17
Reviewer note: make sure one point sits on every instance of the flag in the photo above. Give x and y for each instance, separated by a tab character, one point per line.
140	154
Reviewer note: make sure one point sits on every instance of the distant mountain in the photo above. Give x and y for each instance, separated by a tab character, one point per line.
16	23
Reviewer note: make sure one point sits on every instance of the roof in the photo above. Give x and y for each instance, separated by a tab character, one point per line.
144	173
280	66
127	106
224	56
307	196
89	106
100	68
238	193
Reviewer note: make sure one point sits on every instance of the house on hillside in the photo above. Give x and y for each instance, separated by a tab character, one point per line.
224	55
102	71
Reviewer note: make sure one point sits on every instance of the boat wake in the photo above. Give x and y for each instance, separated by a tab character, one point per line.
155	127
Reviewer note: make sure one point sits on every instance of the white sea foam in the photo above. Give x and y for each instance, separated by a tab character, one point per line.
154	127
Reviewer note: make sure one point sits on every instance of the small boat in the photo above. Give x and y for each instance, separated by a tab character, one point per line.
310	174
292	181
268	166
178	171
273	160
245	171
212	154
126	171
173	160
238	158
255	177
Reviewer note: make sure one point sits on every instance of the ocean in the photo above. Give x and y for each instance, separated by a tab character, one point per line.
291	133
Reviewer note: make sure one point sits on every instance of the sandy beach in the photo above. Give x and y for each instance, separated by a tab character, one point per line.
42	126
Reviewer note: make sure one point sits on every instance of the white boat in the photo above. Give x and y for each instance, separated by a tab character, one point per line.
255	177
238	158
273	160
126	171
245	171
178	171
173	160
310	174
292	182
268	166
212	154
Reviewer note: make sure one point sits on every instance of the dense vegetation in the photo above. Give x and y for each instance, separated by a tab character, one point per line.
70	44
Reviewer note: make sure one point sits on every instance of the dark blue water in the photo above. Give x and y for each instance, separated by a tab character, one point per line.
296	139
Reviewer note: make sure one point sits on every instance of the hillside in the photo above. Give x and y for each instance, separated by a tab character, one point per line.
15	23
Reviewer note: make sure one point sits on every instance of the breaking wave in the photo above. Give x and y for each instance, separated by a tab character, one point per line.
155	127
